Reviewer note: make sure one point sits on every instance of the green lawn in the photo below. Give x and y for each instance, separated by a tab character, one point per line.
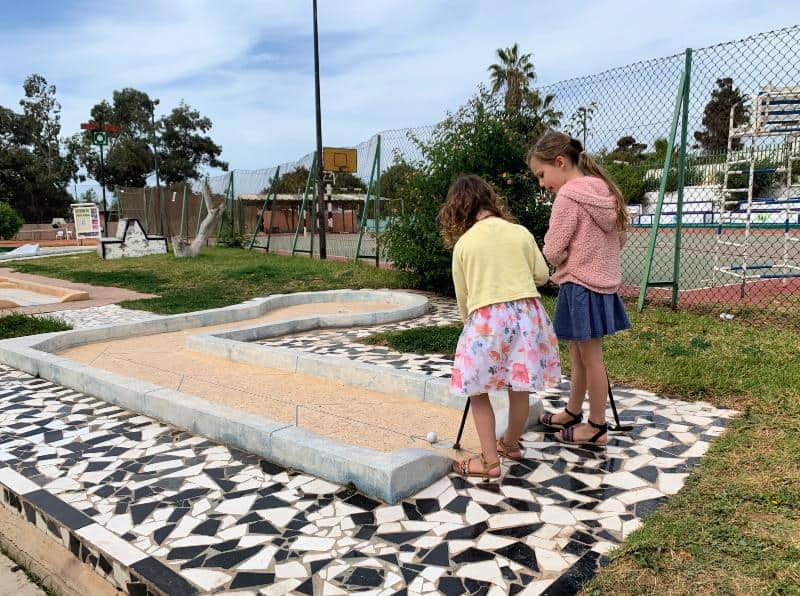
735	527
218	277
17	325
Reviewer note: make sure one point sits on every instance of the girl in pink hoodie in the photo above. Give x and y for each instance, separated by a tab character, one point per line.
583	242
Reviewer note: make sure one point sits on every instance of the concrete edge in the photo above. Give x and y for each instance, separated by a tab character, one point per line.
411	306
55	565
115	563
389	477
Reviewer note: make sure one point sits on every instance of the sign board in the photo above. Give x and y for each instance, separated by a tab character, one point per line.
99	137
87	220
339	159
112	128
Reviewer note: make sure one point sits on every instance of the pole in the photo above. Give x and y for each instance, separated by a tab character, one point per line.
103	185
378	205
676	265
153	105
323	253
651	247
457	444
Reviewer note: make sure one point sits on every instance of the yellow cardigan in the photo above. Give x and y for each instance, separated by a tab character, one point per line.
496	261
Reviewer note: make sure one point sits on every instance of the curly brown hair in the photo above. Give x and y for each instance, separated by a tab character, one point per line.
467	197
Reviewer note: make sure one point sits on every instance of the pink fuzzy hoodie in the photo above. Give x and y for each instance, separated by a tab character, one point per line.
583	242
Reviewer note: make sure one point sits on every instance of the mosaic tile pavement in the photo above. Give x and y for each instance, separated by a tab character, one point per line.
222	520
99	316
346	342
158	510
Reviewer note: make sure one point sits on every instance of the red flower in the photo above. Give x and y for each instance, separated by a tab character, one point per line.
519	372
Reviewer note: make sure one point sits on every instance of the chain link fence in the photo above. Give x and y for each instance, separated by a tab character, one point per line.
740	218
738	244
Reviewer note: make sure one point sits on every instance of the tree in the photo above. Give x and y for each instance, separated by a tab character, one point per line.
293	182
627	150
129	156
184	147
10	221
89	196
514	73
535	117
34	171
717	117
130	161
43	114
581	120
396	176
480	138
183	249
348	181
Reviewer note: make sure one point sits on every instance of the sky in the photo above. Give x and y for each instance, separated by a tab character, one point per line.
384	64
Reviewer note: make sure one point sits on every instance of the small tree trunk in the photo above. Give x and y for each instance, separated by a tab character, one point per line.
179	245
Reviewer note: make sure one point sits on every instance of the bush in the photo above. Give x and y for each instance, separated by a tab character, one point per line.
395	178
480	138
630	180
764	183
10	221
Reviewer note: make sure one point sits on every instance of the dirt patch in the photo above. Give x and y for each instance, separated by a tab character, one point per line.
98	295
380	421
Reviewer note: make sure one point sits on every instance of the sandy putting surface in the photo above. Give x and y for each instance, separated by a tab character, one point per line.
353	415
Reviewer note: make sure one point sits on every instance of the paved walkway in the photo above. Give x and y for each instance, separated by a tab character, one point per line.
154	506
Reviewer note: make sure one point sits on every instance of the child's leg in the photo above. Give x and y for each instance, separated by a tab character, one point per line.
577	378
519	408
597	383
483	415
577	384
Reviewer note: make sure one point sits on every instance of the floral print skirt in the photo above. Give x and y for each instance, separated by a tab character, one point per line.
509	345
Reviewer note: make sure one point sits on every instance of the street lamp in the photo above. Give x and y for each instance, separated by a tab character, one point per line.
323	251
153	104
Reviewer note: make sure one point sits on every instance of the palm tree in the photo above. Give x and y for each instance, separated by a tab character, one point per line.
515	72
542	110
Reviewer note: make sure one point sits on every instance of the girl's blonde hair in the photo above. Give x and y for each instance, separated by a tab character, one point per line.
468	196
553	143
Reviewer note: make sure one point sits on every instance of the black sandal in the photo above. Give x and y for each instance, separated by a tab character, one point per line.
567	435
547	420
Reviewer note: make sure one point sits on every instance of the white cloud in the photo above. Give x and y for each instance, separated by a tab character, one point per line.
385	64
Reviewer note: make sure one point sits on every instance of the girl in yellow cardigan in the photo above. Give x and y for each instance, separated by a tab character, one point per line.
508	340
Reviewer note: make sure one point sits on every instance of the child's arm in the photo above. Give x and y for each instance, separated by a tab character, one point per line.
563	221
539	268
623	238
460	283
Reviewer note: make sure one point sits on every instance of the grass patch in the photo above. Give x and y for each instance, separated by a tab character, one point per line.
218	277
18	325
735	526
424	340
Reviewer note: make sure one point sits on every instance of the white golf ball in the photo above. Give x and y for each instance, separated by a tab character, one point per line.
432	437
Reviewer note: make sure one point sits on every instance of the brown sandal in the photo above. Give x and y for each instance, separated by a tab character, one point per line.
504	450
462	468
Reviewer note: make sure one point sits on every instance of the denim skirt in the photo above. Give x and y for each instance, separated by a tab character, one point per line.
583	314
